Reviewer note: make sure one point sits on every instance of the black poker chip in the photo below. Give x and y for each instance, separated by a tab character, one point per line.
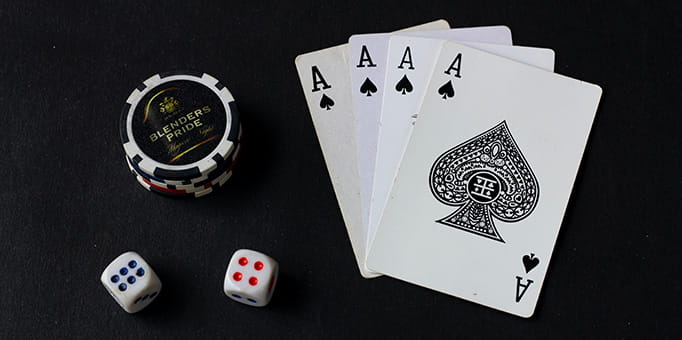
181	133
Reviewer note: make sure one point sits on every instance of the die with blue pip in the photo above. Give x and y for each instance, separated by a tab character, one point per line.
131	281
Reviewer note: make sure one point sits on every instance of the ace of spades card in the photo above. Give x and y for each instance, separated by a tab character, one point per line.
368	63
367	58
326	83
398	115
482	188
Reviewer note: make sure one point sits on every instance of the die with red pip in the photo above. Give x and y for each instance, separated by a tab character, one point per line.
251	277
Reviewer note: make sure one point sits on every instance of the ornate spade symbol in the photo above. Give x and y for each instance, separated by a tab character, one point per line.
486	177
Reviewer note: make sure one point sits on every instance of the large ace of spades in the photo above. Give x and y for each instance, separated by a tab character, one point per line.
485	177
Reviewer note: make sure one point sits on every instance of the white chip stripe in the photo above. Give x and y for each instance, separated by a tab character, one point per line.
225	179
222	178
205	165
218	181
181	185
203	177
203	193
234	155
189	189
200	193
217	185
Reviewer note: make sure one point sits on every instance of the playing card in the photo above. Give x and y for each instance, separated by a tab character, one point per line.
418	55
326	83
485	179
367	65
325	80
367	68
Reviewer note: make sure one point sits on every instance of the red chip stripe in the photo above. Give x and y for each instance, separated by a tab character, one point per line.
172	191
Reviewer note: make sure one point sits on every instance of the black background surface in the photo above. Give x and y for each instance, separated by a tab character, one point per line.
70	206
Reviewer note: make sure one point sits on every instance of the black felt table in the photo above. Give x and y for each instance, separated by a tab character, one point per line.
69	205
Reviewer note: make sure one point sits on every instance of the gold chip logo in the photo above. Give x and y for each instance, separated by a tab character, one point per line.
169	105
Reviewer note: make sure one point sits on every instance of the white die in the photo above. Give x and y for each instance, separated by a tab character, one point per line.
131	281
251	277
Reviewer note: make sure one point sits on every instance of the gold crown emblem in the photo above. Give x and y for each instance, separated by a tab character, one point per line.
169	105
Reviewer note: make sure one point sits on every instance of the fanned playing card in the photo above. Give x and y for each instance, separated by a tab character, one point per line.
485	179
325	80
326	83
412	57
367	60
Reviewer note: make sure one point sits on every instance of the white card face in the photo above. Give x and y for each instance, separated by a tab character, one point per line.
325	80
483	186
398	111
482	34
367	67
326	84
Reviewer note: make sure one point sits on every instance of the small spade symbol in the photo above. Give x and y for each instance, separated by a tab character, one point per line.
530	262
368	87
447	91
326	102
404	86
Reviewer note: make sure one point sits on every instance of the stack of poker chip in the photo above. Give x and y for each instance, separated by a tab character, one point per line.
181	134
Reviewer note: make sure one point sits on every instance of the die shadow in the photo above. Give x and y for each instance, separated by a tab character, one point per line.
172	303
288	297
173	299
